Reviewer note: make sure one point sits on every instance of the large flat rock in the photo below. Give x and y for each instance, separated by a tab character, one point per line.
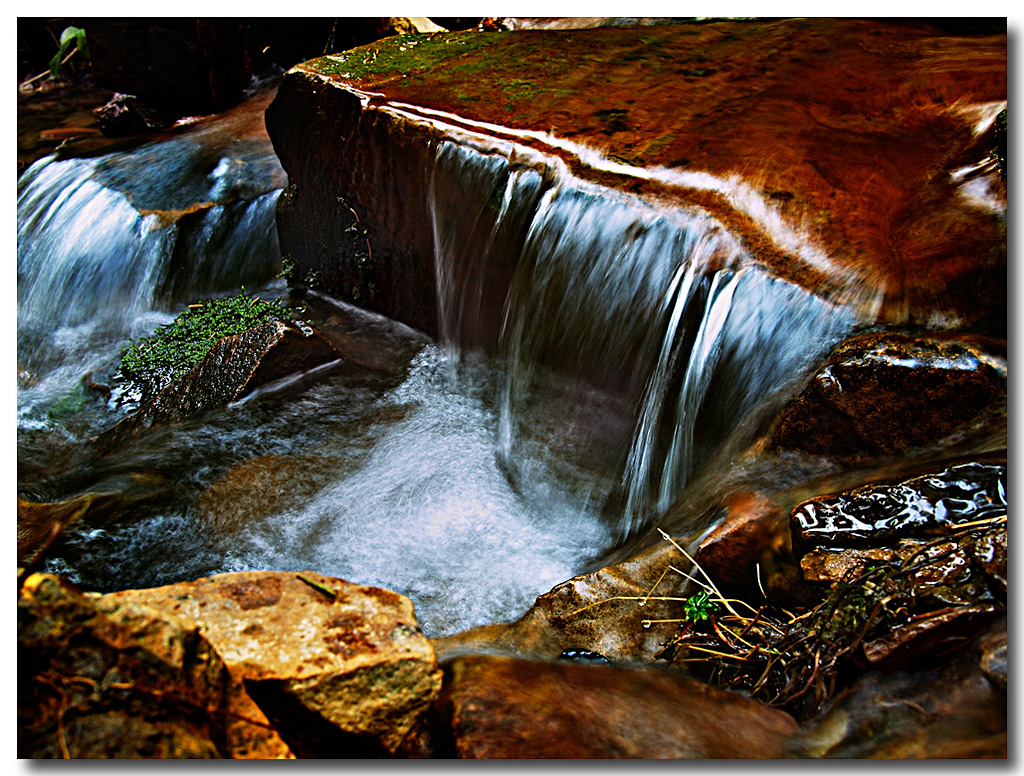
850	156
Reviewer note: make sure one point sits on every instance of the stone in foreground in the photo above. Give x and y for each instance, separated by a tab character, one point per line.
93	686
503	708
346	676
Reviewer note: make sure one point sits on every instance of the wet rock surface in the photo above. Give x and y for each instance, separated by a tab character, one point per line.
602	612
954	711
889	394
926	506
508	708
95	686
234	367
895	197
342	675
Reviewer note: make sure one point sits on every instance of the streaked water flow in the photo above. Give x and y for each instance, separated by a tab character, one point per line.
595	351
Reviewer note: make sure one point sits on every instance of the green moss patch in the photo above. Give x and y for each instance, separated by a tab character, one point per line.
173	350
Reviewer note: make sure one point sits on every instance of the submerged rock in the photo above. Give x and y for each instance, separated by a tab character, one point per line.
509	708
341	676
234	367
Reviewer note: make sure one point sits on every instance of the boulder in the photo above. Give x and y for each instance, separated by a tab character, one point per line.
926	506
95	686
340	670
508	708
234	367
878	189
888	394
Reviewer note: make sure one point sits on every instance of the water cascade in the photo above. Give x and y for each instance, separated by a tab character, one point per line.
648	330
596	350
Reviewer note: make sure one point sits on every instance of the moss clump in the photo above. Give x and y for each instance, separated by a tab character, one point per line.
402	54
173	350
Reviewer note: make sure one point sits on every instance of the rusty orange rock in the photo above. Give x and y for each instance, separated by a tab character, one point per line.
850	156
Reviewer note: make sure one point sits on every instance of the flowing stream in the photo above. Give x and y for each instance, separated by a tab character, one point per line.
595	352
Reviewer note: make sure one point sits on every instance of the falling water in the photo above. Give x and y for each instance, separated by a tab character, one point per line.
596	351
635	340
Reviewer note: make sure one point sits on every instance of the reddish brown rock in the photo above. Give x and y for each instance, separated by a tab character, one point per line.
507	708
751	525
953	711
337	677
234	367
878	187
883	395
931	635
96	686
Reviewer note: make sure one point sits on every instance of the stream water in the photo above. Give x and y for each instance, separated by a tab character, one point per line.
472	476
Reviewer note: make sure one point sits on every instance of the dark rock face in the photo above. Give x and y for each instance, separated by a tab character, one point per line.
357	228
197	66
956	711
508	708
189	66
233	368
127	115
883	395
90	686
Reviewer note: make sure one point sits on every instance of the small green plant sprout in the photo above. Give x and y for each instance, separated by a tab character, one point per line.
699	607
71	40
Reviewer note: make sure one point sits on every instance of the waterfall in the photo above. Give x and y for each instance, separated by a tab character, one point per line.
94	268
645	333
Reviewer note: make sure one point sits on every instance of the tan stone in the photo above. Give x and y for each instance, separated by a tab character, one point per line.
357	661
504	707
247	731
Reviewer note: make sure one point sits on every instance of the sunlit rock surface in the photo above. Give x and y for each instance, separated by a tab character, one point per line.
851	156
341	676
